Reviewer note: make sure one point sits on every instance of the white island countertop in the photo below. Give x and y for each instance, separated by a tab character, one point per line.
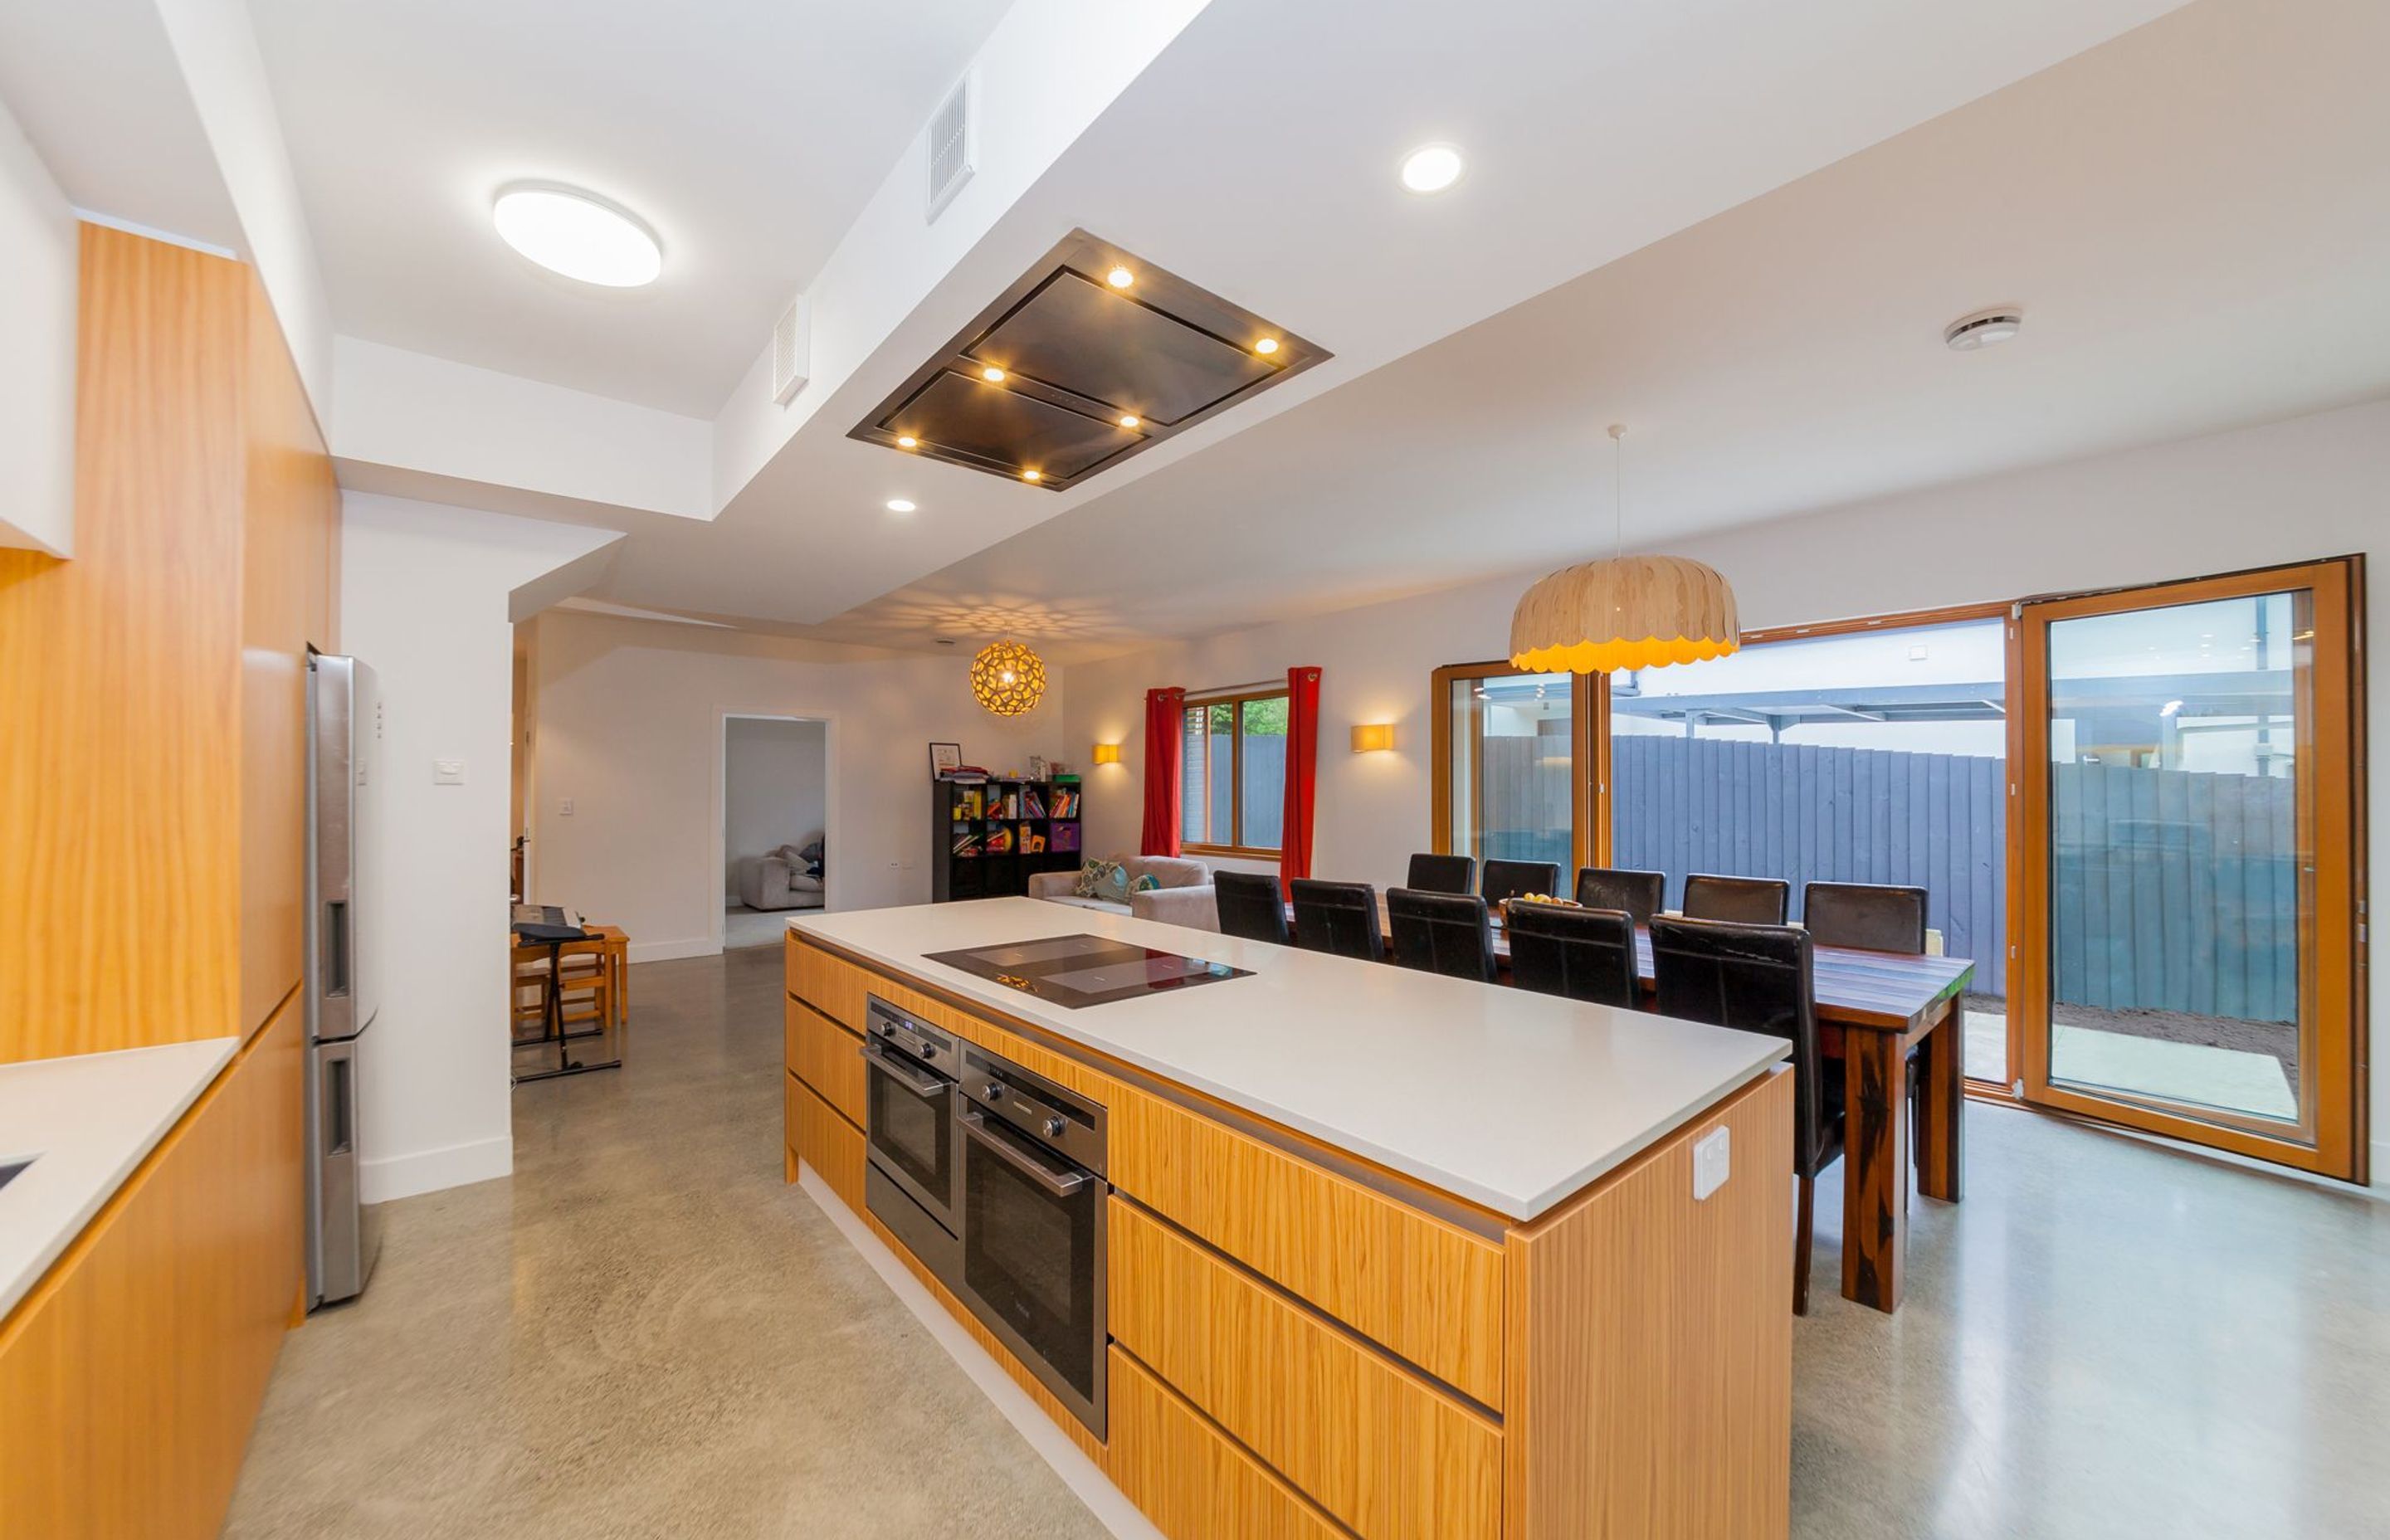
88	1120
1510	1099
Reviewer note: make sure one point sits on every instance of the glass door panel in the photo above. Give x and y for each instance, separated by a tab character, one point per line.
2190	888
1513	768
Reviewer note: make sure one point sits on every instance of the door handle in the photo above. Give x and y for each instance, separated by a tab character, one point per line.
1061	1184
921	1085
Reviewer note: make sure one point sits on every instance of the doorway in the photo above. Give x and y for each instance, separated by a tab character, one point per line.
775	825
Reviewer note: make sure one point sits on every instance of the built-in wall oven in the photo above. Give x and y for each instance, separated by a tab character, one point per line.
1031	1158
993	1178
909	1104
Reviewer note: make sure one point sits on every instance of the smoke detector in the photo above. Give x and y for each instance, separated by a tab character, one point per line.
1984	329
954	147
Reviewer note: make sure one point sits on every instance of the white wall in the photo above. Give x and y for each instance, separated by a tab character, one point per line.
2314	486
38	252
423	600
775	787
629	730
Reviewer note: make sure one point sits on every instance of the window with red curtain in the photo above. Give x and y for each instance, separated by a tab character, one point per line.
1163	707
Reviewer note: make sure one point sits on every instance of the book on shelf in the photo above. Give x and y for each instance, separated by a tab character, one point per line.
1031	805
1066	837
965	843
1066	802
1032	843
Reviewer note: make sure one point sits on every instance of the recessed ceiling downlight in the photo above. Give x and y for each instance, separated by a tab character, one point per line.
1985	328
1432	167
900	505
578	235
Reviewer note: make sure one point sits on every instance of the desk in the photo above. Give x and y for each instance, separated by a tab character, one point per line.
1889	1005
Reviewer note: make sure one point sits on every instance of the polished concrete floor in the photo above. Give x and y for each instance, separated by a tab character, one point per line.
644	1333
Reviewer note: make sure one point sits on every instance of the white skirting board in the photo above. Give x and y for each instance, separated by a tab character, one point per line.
1091	1486
453	1165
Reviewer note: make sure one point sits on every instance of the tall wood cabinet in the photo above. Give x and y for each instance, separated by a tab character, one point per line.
152	806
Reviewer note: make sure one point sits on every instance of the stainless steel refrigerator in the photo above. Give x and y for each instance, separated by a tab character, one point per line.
342	989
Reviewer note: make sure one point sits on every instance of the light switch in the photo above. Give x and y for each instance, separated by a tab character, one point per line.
564	808
447	772
1713	1158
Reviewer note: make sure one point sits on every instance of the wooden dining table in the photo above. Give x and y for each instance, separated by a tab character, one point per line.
1885	1008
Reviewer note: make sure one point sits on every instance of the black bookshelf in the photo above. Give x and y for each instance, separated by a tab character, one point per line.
994	835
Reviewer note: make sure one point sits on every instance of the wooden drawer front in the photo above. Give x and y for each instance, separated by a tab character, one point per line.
1428	1290
826	1142
1189	1480
1375	1446
831	985
827	1057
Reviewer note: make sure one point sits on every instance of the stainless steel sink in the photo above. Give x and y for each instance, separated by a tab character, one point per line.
8	1169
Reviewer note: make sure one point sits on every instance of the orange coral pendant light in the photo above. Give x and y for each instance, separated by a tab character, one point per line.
1626	612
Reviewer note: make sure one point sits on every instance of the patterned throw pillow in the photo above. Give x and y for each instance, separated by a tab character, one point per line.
1146	884
1102	879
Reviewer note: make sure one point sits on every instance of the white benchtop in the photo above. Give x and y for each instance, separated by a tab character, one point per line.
89	1118
1510	1099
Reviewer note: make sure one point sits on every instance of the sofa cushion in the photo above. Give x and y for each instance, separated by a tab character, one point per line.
1170	871
1103	880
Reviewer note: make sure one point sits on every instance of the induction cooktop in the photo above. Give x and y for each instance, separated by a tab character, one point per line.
1085	970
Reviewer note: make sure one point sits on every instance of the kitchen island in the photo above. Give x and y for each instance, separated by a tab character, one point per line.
1371	1252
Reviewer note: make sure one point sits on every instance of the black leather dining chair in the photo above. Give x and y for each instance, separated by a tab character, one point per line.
1508	880
1249	906
1451	933
1641	894
1759	978
1868	916
1338	918
1743	900
1441	873
1583	954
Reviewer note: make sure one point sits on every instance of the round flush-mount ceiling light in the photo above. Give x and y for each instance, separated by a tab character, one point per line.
900	505
578	235
1986	328
1432	167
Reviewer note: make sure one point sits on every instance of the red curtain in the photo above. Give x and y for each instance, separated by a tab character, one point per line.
1166	715
1302	774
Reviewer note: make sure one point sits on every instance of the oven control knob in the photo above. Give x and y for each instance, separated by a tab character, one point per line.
1053	1128
993	1091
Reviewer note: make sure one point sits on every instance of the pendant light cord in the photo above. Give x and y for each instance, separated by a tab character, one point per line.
1617	514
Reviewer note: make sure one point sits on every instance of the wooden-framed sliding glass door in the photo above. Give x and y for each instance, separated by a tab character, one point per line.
2186	849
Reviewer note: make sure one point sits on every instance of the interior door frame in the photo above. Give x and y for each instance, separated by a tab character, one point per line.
2328	767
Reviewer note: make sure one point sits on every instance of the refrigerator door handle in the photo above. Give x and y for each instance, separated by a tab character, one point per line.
336	947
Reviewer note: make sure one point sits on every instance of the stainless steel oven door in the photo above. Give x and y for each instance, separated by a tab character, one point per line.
1033	1258
908	1123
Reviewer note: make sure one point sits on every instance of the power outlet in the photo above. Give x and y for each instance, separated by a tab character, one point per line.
564	808
1712	1162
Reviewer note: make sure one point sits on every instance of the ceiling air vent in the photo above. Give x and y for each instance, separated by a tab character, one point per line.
792	340
954	147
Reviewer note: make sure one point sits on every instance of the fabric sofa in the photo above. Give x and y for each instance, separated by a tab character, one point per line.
1185	896
781	881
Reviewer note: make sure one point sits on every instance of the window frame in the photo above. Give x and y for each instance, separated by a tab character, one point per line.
1588	757
1235	847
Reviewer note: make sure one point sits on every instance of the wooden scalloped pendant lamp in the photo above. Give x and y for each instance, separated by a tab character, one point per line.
1624	613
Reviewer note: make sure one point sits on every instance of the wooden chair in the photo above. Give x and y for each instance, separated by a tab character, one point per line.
1441	873
586	982
1448	933
1338	918
1249	906
1760	978
1741	900
1641	894
1582	954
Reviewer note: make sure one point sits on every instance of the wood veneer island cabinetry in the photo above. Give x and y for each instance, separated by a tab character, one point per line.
1330	1314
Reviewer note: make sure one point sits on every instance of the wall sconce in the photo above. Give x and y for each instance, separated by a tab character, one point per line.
1107	753
1367	735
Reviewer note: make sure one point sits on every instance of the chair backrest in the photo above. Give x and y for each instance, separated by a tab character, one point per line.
1341	917
1442	933
1641	894
1441	874
1743	900
1508	880
1757	977
1869	915
1249	906
1584	953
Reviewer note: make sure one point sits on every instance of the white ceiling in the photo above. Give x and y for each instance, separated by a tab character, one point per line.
748	135
1256	157
2195	216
